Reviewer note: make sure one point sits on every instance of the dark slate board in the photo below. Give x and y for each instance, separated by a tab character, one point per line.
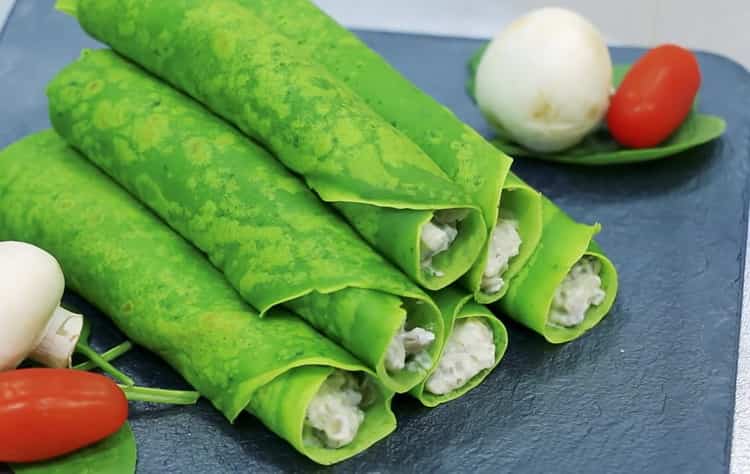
651	390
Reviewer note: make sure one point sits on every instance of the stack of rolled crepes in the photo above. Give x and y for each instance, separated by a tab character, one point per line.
342	190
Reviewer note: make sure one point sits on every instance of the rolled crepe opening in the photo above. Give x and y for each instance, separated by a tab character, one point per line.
422	345
328	413
512	241
475	343
296	396
408	350
438	235
579	291
583	297
337	410
541	295
449	242
504	245
469	350
399	337
167	297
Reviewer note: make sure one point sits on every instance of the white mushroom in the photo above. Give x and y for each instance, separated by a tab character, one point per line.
32	323
546	79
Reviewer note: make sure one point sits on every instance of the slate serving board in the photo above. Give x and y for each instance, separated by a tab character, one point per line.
650	390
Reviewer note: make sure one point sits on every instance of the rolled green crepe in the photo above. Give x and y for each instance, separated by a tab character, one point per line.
476	343
166	297
568	286
460	151
566	255
271	236
226	57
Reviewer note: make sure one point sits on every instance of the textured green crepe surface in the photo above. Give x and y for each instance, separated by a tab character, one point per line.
530	294
456	304
163	293
458	149
271	236
226	57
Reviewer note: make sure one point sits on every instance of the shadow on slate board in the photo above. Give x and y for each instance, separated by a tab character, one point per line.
650	390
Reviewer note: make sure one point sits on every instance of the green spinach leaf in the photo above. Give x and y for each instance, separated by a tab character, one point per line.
114	455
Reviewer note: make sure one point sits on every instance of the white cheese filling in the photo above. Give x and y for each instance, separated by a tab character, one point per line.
469	350
505	243
438	235
408	350
335	414
580	290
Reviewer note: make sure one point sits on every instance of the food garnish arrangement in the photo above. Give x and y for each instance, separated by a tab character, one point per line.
254	195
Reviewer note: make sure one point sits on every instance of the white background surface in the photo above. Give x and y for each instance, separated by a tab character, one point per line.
721	26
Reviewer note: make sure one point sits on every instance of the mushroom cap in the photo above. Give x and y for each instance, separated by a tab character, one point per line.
31	287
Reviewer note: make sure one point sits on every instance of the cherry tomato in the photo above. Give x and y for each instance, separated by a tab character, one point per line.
45	413
655	97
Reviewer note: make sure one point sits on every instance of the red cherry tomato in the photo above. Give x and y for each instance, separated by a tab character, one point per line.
655	97
45	413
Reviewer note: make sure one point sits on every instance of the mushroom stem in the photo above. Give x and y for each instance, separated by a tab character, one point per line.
59	339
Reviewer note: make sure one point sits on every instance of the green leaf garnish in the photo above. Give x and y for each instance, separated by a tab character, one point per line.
114	455
109	355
